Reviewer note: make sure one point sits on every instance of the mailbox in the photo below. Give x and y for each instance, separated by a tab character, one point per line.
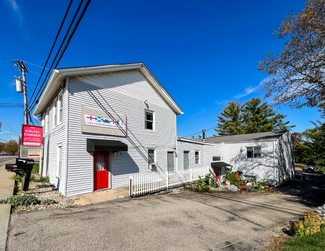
24	168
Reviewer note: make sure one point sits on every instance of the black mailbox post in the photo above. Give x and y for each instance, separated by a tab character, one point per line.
23	167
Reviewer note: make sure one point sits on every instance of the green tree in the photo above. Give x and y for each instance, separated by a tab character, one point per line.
280	124
296	75
258	117
11	147
2	145
231	121
316	145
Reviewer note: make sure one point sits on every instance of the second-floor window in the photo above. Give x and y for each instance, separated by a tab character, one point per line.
47	120
149	120
54	114
60	108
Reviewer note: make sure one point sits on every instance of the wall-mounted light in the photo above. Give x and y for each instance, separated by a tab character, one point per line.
146	102
242	149
114	153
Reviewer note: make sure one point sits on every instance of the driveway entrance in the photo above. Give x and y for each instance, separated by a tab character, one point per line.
183	221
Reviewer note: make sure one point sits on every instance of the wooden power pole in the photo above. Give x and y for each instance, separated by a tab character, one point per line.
22	68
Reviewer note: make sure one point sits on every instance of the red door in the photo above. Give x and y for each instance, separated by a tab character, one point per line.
217	171
101	170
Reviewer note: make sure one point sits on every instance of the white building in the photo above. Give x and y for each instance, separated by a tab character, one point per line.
265	156
105	123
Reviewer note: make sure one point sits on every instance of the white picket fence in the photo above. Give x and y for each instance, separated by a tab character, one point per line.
146	183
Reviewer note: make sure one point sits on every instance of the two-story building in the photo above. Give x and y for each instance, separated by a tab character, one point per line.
103	124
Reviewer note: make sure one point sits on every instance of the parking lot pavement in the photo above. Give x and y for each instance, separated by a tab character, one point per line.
184	221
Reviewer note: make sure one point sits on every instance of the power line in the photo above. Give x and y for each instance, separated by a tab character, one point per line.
65	47
199	132
57	35
11	129
11	105
36	65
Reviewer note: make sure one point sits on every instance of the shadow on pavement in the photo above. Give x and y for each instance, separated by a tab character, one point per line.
309	188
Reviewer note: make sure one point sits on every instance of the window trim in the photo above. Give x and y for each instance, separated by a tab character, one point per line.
199	158
47	121
254	152
54	110
154	157
59	107
217	156
58	157
153	120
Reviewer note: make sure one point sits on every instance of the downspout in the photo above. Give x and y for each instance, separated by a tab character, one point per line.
66	135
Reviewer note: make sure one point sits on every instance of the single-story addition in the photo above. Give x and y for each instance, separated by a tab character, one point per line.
265	156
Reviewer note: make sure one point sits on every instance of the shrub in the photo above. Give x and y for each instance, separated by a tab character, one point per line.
21	200
310	224
201	186
35	168
48	202
44	179
16	178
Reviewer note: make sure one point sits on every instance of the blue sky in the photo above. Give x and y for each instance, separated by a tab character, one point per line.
205	53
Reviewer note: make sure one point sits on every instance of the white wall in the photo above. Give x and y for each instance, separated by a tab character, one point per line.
285	158
206	152
125	93
262	168
51	139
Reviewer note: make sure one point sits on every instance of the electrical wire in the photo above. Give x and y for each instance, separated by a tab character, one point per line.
36	65
11	129
65	47
57	35
199	132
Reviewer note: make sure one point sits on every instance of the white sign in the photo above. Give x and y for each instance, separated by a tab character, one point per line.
93	120
34	153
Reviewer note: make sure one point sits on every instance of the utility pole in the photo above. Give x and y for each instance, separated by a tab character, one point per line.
22	68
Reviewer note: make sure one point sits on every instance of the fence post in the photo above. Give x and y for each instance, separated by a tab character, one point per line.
130	188
191	175
167	181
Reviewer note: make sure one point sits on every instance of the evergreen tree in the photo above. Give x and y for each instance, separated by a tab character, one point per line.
231	121
258	117
280	124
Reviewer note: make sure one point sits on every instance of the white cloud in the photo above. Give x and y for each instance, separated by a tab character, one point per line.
13	4
248	91
17	10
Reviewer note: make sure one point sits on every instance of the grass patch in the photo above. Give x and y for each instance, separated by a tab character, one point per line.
313	242
16	177
35	167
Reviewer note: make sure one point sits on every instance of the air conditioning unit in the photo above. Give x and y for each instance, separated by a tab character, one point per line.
153	166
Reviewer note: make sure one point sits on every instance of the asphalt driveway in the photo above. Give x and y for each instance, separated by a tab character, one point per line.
183	221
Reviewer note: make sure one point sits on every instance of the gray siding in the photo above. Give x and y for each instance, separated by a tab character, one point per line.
121	93
206	152
54	137
285	158
262	168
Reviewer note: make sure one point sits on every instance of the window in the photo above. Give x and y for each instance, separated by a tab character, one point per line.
151	156
250	178
54	114
197	157
254	152
216	158
58	161
47	120
60	108
149	120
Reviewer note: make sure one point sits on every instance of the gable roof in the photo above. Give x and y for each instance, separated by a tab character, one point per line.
247	137
58	75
